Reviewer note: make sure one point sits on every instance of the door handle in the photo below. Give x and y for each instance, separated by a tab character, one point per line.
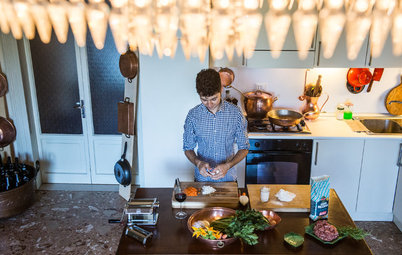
80	105
316	153
399	163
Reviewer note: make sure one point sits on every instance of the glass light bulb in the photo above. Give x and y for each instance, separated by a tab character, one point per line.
381	23
277	27
12	19
396	33
304	27
331	26
42	21
118	25
25	18
5	28
357	27
76	18
278	5
97	16
57	10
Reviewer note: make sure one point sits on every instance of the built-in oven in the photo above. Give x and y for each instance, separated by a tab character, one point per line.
279	161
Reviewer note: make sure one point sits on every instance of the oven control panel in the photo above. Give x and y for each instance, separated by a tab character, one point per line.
305	145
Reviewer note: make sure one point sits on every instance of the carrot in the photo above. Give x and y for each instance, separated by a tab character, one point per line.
191	191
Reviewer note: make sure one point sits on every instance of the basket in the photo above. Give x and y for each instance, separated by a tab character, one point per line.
17	200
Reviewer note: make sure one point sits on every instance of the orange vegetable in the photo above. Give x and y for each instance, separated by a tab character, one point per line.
191	191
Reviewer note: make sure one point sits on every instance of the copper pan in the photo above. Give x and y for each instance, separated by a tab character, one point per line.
227	76
211	214
284	117
3	84
128	64
7	132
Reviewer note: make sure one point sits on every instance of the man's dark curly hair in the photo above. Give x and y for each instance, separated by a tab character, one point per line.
208	82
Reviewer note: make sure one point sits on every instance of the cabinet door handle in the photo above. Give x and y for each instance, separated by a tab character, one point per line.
319	53
316	153
399	163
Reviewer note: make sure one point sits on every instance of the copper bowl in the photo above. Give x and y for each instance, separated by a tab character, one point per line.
272	217
211	214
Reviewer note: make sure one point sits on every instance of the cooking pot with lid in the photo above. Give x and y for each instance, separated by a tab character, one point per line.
258	103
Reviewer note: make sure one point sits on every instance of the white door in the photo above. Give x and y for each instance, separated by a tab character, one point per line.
74	94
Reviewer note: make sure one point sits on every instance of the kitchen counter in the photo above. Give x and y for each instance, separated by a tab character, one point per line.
327	127
172	236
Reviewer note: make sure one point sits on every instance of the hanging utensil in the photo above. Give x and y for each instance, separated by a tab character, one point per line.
227	76
3	84
393	101
128	64
357	78
7	132
122	169
376	77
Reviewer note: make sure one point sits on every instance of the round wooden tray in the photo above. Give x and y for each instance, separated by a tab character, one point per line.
17	200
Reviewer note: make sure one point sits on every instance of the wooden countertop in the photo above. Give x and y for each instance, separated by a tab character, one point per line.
171	236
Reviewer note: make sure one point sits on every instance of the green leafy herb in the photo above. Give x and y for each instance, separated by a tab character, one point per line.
353	232
242	225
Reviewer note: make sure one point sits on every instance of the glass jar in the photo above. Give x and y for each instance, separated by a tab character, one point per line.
339	111
347	114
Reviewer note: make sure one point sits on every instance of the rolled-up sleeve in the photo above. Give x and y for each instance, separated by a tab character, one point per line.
241	133
189	137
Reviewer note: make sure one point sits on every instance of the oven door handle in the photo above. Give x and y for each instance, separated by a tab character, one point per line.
255	158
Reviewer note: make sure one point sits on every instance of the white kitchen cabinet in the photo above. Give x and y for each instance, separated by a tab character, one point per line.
339	58
387	58
288	58
236	61
341	160
378	179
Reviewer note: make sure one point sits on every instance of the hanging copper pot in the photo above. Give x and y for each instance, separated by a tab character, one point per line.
227	76
3	84
7	132
128	64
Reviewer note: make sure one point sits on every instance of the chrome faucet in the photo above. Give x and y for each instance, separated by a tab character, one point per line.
395	101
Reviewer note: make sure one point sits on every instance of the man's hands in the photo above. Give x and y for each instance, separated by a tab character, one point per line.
216	173
204	168
220	171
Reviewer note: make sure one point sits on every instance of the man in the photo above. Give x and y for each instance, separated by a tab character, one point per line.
214	126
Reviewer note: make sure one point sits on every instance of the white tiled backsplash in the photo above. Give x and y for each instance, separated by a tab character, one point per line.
288	84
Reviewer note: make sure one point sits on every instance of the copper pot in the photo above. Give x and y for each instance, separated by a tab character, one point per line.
128	64
7	132
258	103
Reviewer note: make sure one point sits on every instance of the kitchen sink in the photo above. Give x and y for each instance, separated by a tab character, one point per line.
383	126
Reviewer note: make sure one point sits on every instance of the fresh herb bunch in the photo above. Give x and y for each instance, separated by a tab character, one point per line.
243	225
353	232
313	90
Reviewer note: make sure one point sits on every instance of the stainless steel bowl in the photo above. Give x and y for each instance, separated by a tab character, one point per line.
211	214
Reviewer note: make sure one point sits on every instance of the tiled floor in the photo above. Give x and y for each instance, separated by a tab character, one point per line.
76	222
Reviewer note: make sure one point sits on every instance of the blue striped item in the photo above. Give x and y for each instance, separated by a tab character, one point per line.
214	136
319	197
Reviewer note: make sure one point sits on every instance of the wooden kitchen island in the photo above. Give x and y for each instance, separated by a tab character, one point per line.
171	236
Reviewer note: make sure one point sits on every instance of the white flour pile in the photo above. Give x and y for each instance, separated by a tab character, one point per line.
207	190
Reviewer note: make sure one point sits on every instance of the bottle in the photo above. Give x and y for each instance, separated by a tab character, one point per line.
339	111
347	114
228	98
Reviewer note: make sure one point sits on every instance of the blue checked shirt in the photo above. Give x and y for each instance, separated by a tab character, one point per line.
215	135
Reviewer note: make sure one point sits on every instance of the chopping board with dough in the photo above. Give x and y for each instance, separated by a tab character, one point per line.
393	101
300	203
225	195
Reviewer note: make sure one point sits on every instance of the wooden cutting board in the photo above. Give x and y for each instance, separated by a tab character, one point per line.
394	95
301	203
226	195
